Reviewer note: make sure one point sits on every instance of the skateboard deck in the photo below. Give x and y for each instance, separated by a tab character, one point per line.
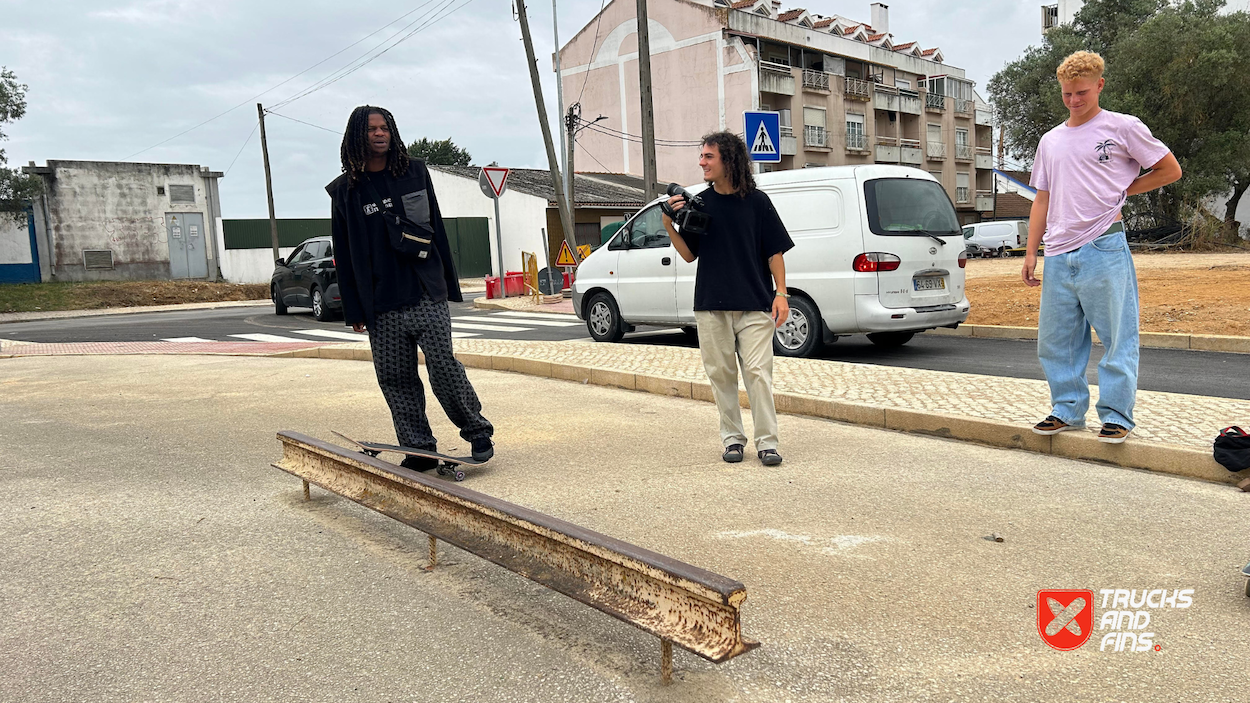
448	465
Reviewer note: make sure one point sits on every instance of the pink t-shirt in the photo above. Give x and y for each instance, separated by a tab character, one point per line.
1087	170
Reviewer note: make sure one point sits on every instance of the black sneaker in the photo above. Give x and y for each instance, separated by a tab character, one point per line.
769	457
483	448
419	463
733	453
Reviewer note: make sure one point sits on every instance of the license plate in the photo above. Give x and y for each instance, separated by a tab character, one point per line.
929	283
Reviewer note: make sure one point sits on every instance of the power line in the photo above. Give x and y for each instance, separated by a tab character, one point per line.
605	168
586	124
638	140
245	143
361	61
310	124
279	85
595	43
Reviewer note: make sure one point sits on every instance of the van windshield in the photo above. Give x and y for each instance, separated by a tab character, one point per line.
903	206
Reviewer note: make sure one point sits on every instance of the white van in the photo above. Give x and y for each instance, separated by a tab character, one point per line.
877	250
995	238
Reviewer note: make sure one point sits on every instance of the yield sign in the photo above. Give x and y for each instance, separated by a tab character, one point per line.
566	257
496	178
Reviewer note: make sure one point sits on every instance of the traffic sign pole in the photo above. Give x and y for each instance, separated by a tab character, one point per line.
493	181
503	284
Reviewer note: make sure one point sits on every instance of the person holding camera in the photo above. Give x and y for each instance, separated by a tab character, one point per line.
737	307
396	275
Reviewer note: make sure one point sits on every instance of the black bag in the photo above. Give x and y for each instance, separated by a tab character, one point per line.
410	232
1232	449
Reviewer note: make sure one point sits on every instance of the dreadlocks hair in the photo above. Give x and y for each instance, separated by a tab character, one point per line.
733	153
355	151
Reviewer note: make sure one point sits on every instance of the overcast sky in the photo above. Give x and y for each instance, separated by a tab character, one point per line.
110	80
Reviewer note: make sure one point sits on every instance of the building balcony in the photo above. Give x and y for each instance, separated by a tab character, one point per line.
885	98
934	102
815	81
985	118
936	151
963	152
815	137
963	107
887	150
857	89
984	158
962	195
776	78
789	145
910	152
985	201
856	141
909	102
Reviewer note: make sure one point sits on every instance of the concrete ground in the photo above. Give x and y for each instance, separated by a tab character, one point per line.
149	552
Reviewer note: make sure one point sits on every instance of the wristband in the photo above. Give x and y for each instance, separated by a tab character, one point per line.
784	295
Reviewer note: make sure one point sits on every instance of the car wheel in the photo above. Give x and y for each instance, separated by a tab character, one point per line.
321	311
279	307
692	333
800	334
603	319
890	339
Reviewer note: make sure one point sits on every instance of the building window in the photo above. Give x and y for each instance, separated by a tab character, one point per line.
182	194
902	83
962	194
856	138
814	127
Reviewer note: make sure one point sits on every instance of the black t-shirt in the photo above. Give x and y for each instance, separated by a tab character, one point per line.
733	256
395	281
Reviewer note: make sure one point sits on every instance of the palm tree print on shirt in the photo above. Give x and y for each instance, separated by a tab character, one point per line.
1104	150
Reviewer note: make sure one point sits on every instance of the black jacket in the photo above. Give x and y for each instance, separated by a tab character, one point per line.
351	248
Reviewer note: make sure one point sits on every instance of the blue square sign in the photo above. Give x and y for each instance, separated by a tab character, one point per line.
763	136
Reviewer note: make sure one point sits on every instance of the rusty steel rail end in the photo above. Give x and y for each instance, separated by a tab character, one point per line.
697	610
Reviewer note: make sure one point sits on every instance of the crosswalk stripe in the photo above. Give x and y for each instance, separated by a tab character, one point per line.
335	334
267	338
462	335
509	319
186	339
487	328
537	315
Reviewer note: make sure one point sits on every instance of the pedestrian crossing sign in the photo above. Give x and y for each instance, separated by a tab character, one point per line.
763	135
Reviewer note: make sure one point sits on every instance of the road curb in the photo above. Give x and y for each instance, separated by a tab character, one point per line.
102	312
1084	446
490	304
1154	340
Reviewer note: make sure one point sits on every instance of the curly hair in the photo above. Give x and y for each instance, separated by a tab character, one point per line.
1082	64
355	151
733	154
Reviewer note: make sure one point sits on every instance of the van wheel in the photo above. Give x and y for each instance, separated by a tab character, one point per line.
1002	252
692	333
603	319
890	339
801	333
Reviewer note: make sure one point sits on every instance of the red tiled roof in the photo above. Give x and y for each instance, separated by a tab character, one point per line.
929	52
850	30
823	23
790	15
875	37
1012	205
743	4
901	47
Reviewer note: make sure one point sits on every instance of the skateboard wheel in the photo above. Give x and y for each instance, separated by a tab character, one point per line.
459	476
1247	586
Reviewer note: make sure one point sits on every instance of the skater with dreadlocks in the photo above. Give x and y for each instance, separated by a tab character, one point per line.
395	276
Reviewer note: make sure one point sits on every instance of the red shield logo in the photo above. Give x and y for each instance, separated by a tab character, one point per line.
1065	618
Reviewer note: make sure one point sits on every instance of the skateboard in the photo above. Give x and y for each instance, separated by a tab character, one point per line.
1246	572
449	466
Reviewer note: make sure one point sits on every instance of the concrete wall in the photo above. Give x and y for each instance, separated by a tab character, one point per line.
249	265
14	241
523	216
116	206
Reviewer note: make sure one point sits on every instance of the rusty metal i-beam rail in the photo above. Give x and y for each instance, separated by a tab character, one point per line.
679	603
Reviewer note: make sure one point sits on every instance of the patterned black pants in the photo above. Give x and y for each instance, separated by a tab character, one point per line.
394	337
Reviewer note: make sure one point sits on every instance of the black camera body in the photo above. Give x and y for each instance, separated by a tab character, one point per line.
690	219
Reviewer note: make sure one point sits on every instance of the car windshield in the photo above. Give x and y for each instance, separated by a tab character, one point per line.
902	206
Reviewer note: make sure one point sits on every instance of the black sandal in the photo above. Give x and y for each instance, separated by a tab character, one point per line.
733	453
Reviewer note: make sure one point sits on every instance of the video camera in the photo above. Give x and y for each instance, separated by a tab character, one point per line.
690	219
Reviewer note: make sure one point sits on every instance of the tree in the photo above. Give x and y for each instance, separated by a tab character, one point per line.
1181	67
440	153
15	187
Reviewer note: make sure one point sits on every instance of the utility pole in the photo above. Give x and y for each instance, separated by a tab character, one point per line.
570	175
565	155
566	212
1002	149
264	150
648	112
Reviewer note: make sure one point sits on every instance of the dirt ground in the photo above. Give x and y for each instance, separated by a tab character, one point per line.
32	297
1184	293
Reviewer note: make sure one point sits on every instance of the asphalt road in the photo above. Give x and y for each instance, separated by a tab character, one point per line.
1165	370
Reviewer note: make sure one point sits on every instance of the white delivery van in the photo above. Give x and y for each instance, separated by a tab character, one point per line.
877	250
995	238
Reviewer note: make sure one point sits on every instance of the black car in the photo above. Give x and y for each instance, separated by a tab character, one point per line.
307	278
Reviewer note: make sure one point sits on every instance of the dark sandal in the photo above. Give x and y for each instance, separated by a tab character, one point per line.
769	457
733	453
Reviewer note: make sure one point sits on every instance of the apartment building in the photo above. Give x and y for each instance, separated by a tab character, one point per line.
847	92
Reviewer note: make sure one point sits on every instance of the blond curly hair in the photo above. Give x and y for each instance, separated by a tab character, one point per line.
1082	64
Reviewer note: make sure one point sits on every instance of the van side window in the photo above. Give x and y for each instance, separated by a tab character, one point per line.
646	231
968	233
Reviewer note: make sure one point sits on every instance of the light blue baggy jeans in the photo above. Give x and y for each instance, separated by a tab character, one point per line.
1094	285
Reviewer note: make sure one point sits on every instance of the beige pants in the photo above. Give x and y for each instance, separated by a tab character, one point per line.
727	339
